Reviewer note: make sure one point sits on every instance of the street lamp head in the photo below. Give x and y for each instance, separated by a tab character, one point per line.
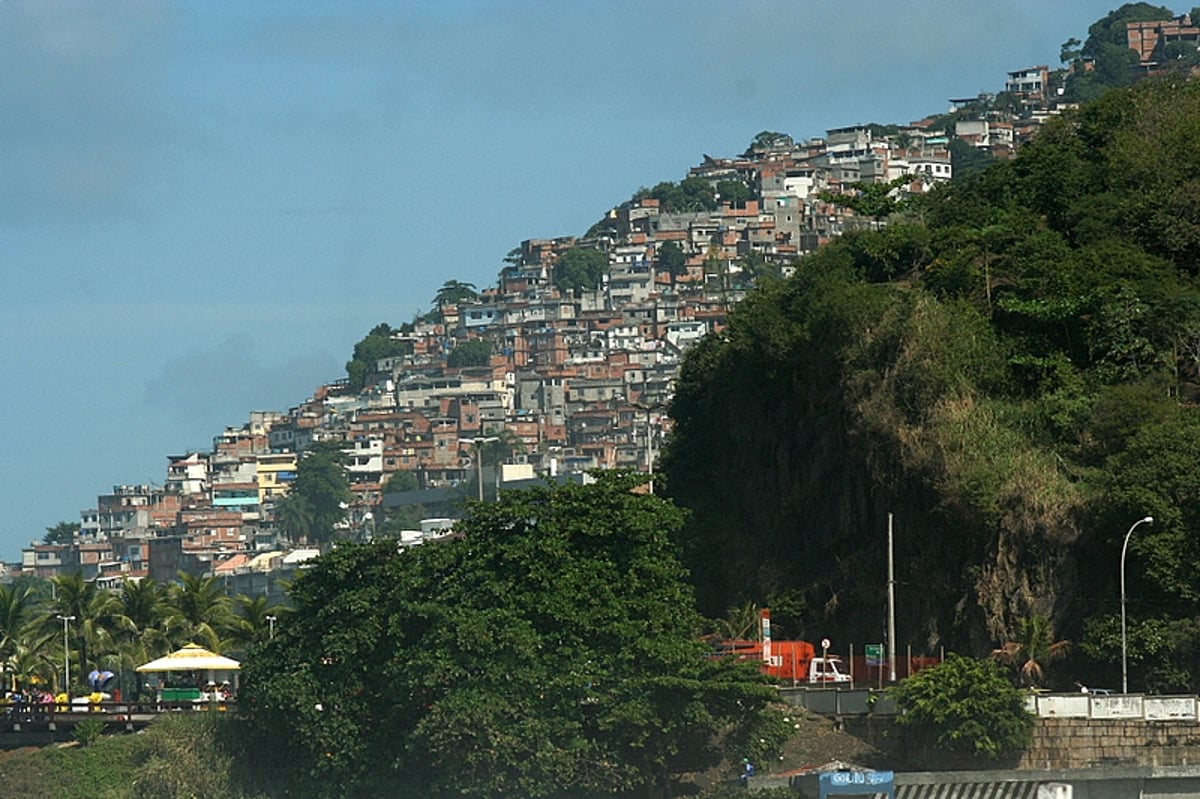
1148	520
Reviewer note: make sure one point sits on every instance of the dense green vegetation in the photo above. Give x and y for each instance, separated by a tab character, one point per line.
965	705
381	343
580	269
196	755
318	498
1104	60
1010	367
551	651
472	352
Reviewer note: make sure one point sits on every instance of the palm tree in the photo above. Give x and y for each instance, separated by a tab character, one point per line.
741	623
143	603
97	618
16	607
453	292
30	664
18	644
142	631
253	623
200	611
1033	650
294	516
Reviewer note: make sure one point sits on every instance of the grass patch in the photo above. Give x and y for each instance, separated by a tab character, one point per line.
194	755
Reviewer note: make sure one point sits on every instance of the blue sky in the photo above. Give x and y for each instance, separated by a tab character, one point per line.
204	205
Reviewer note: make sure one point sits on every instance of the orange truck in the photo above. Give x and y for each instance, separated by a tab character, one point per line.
790	661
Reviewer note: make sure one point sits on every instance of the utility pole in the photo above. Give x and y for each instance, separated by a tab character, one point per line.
891	594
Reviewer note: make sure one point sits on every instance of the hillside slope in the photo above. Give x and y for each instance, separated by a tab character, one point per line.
1009	368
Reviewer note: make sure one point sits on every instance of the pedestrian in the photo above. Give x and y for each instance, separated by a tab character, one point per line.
747	772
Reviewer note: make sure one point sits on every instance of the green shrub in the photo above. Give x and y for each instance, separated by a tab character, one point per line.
88	731
965	705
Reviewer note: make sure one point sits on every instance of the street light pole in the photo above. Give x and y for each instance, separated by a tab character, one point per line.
271	625
649	438
479	441
649	452
479	469
1124	547
66	655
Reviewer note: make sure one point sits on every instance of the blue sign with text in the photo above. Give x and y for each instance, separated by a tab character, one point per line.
857	783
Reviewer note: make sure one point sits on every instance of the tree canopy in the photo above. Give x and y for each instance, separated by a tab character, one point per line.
766	140
551	650
1105	60
61	533
378	344
580	269
455	291
965	705
472	352
320	491
690	195
673	259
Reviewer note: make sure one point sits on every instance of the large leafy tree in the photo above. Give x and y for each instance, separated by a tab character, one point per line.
579	269
672	259
549	651
1112	62
455	291
766	140
472	352
320	491
378	344
690	195
874	200
733	191
61	533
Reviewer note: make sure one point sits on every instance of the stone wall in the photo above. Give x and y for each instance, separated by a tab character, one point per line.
1084	743
1057	744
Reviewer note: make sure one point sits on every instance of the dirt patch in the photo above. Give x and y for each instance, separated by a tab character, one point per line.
816	741
819	740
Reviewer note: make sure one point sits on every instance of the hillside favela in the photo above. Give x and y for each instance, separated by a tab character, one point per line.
566	365
857	464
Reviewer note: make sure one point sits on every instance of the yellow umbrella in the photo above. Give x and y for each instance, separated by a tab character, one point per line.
192	657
